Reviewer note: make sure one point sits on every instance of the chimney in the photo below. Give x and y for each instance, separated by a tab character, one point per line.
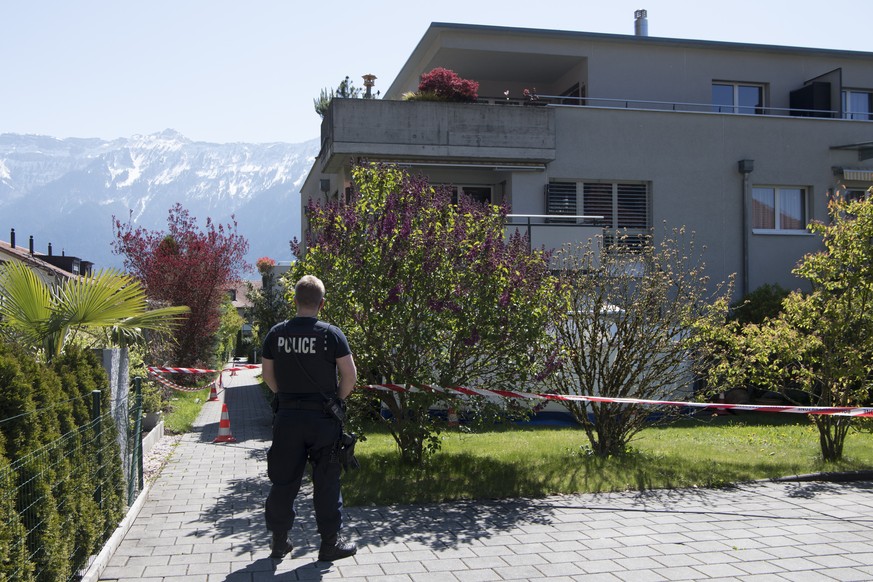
369	81
12	238
641	25
31	244
50	249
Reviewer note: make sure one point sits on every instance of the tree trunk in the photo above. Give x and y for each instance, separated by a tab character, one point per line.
832	433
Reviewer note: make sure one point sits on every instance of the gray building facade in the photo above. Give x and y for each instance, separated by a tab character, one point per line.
742	144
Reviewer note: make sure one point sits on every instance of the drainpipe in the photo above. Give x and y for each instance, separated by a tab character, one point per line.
746	167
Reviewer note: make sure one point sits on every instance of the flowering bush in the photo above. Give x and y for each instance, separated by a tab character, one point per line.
445	85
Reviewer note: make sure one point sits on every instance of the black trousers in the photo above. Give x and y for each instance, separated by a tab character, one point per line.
300	436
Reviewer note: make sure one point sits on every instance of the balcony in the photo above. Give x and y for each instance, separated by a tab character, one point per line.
652	105
545	232
421	131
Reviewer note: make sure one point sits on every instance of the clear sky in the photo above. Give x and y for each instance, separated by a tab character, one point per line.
248	70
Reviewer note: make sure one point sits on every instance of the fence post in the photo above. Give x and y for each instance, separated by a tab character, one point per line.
136	481
96	413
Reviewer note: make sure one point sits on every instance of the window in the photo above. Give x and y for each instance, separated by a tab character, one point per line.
858	105
779	208
480	194
621	204
855	194
561	201
737	98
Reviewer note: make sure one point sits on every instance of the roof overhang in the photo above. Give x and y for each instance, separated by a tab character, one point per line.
496	166
864	149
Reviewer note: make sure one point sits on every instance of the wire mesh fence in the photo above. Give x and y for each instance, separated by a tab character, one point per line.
60	501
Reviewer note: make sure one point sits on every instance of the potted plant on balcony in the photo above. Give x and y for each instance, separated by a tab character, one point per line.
444	85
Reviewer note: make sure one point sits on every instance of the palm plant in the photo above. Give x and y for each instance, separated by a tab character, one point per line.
109	308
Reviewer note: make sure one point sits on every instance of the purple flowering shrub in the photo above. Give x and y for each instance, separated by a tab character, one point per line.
429	293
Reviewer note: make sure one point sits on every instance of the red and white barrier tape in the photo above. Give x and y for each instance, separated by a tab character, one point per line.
163	381
160	370
457	390
461	391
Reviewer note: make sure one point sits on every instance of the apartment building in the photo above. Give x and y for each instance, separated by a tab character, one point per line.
584	133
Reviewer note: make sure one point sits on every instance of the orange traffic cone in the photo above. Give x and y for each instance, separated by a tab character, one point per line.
224	435
213	394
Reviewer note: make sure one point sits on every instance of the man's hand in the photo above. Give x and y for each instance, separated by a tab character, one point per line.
268	373
348	376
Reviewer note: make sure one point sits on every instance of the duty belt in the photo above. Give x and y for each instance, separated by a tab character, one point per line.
301	405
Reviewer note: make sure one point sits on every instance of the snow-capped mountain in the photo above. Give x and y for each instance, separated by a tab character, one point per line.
66	191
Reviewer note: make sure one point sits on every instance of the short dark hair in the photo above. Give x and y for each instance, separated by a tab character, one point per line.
309	291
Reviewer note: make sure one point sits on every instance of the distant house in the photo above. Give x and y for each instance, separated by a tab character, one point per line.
238	295
52	269
583	134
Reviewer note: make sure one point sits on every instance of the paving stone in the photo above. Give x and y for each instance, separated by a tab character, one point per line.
204	522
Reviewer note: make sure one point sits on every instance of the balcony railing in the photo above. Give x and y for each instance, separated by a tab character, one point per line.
653	105
544	231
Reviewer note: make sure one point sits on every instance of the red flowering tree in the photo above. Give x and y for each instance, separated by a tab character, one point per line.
429	292
185	265
445	85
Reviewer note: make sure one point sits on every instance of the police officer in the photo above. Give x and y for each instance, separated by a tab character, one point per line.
301	357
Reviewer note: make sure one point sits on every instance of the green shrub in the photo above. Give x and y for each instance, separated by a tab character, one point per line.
762	303
50	443
152	398
14	564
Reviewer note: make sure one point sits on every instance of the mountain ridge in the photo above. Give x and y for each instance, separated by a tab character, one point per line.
67	191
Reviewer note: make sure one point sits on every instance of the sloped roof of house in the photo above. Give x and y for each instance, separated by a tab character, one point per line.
9	252
242	289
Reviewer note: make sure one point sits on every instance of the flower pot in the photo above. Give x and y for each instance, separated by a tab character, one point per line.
150	420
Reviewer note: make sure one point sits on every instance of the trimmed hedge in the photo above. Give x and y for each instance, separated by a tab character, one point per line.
58	504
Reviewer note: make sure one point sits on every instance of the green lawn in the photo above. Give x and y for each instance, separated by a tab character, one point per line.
534	462
184	408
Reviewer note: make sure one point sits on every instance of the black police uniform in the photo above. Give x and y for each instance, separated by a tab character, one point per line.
304	351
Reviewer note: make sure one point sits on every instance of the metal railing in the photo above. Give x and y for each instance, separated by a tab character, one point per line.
679	106
552	231
550	219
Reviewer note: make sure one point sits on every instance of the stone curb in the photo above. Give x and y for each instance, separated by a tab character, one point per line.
830	477
95	569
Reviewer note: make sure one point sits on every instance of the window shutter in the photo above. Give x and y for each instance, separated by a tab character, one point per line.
633	206
561	198
597	201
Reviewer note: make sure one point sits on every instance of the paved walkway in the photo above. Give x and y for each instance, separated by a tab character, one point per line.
203	522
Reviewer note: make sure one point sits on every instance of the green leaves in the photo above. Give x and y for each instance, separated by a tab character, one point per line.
108	305
821	344
428	292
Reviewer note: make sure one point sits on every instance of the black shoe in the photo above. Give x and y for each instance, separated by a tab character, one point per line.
279	546
336	551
